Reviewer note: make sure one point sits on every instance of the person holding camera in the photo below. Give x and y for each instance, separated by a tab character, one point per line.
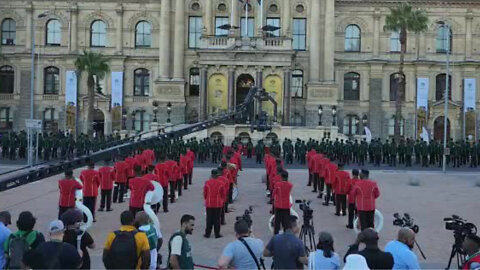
471	246
243	253
376	258
281	202
401	250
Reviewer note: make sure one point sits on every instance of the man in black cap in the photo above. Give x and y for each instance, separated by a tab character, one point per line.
214	196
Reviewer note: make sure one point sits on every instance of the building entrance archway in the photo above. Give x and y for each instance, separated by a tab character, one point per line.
98	122
438	128
244	83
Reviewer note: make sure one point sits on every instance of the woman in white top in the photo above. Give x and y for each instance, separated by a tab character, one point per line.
324	257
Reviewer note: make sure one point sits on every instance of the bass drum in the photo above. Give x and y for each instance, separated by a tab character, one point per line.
378	222
79	204
271	221
235	193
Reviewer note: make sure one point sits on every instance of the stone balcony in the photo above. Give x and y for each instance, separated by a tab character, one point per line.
7	96
254	43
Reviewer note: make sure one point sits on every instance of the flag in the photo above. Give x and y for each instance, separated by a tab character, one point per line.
368	135
424	135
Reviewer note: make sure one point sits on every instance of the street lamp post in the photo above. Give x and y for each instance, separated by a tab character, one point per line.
155	110
169	111
320	112
445	119
334	115
364	120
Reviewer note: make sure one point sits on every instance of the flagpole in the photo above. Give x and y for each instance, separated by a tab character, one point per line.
261	14
231	15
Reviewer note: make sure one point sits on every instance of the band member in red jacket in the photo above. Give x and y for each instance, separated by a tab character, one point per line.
122	172
310	155
281	202
178	174
67	186
107	176
131	162
317	163
139	187
149	156
184	170
170	169
191	160
223	176
152	176
366	192
214	196
340	187
91	181
329	175
161	172
351	199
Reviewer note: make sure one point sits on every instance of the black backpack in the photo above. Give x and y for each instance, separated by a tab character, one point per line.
17	247
123	251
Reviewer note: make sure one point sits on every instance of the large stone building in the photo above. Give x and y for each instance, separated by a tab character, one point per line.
332	56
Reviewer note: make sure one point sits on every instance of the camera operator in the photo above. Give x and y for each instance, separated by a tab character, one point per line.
471	246
281	202
243	253
401	250
376	258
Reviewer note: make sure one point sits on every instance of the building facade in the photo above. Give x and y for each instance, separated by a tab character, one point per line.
325	62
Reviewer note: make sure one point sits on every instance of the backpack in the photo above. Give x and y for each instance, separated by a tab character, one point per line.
123	251
17	247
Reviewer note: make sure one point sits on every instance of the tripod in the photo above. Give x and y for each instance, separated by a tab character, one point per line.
307	234
456	252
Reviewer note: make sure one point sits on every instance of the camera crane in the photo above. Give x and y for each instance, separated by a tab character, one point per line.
29	175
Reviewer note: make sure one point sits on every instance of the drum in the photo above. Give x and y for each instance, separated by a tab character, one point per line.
378	222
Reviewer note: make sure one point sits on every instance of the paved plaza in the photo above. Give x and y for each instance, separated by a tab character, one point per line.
437	196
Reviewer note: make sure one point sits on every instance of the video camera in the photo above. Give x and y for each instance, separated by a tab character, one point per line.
405	221
246	216
304	205
459	226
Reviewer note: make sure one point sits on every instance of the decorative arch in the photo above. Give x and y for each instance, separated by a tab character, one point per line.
12	14
191	2
217	135
227	5
97	15
455	26
293	6
362	23
142	16
58	16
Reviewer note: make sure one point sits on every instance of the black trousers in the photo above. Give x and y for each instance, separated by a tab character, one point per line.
63	209
119	192
230	194
341	203
259	159
321	183
185	181
281	217
310	178
135	210
190	174
179	186
106	199
328	195
351	214
89	202
224	209
366	219
173	185
165	199
249	153
213	221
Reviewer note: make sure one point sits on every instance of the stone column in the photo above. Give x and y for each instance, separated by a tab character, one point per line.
164	48
315	42
207	18
231	88
259	77
28	39
329	40
376	32
468	36
179	49
119	11
287	75
203	93
286	18
421	45
73	28
234	18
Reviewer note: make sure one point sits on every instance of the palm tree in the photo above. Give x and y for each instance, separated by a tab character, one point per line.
96	66
403	19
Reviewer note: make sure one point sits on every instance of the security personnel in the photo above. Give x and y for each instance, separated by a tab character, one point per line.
67	186
351	198
329	174
339	186
139	188
162	173
365	193
107	176
91	181
281	202
122	172
214	196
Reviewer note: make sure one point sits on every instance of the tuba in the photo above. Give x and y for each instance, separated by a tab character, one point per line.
378	222
152	198
271	221
79	204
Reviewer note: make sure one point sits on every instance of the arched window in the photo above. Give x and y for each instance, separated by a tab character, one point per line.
444	39
391	126
98	34
54	32
143	34
7	79
297	83
351	125
141	82
9	30
50	120
141	120
352	38
194	82
395	45
440	87
351	86
51	81
395	86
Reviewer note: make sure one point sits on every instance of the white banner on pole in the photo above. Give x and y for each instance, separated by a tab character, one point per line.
117	100
425	137
71	100
422	93
470	89
368	135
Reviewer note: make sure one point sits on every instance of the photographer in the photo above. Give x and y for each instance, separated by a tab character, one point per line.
376	259
471	246
243	253
401	250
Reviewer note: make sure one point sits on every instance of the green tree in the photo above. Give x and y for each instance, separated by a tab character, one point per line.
403	19
96	66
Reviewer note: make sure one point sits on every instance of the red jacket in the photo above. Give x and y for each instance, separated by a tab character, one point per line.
67	192
140	160
107	176
184	160
161	172
365	193
214	193
281	195
310	156
191	158
91	182
350	187
340	184
131	162
151	177
226	184
139	187
273	180
329	173
122	172
169	170
149	156
318	164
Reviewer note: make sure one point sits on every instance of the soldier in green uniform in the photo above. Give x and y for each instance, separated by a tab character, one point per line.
408	153
401	152
5	145
249	148
22	144
259	151
424	153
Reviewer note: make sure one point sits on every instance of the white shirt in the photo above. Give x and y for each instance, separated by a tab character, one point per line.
176	246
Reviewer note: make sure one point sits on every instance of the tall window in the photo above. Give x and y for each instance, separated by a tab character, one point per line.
395	45
51	81
50	120
9	28
299	34
352	38
395	87
219	22
195	26
274	22
251	26
98	34
391	126
6	119
440	87
443	34
143	34
54	32
351	125
351	86
6	80
141	121
194	82
297	83
142	82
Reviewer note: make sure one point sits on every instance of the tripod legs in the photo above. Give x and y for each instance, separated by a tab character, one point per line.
455	251
307	234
